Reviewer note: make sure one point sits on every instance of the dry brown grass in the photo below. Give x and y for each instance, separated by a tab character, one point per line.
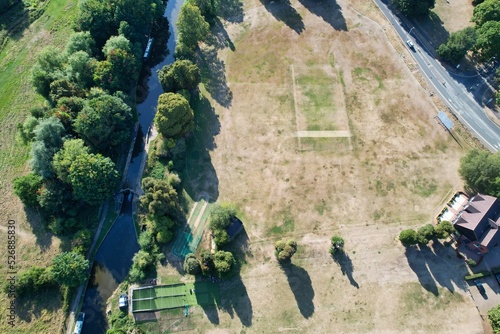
400	167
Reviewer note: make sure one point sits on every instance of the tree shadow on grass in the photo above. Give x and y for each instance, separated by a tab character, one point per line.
200	178
15	20
301	286
328	10
213	75
432	29
231	11
42	235
346	266
33	307
208	297
234	294
219	37
416	260
283	11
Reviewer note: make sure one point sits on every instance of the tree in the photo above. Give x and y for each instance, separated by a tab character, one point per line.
207	263
408	237
70	269
117	42
48	136
192	264
457	45
160	198
26	188
494	316
117	72
80	41
25	131
80	69
221	237
64	88
56	198
425	233
93	178
220	216
72	149
174	118
414	8
223	263
143	263
489	10
48	67
337	244
284	250
444	229
182	74
481	171
488	40
104	122
192	26
207	8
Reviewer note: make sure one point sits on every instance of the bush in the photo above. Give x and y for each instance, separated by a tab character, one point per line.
284	250
337	244
32	281
425	233
207	263
444	229
494	317
471	262
81	241
223	263
408	237
26	187
192	264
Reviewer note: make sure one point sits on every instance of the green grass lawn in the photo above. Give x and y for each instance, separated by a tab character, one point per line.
44	314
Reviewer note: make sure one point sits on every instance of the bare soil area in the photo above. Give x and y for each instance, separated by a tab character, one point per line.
396	172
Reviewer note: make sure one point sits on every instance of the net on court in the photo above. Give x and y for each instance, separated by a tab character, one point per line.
162	297
189	238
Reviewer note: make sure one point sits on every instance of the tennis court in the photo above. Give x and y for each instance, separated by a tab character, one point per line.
162	297
188	240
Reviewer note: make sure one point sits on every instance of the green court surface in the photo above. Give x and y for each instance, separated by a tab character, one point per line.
189	238
176	295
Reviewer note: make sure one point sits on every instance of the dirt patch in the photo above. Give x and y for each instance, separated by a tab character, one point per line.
400	166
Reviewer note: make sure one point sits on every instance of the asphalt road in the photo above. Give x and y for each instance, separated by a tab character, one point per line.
453	93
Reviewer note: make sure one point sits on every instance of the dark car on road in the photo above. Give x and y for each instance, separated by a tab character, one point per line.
480	287
410	45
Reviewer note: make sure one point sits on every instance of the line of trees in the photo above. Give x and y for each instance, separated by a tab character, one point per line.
483	39
426	233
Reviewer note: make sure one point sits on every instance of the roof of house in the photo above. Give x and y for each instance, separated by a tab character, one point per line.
474	213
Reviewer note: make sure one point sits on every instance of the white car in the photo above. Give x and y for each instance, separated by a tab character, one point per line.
410	44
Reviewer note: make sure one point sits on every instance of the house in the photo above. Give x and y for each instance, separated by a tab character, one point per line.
478	222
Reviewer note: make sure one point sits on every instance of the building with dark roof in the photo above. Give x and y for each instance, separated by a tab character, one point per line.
478	223
234	227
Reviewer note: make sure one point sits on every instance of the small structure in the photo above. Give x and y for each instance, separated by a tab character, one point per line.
234	228
148	49
79	323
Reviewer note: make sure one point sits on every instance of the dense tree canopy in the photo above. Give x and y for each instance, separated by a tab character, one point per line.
103	18
192	26
457	45
174	117
489	10
481	171
104	122
488	40
117	42
93	178
80	69
70	269
182	74
414	8
494	317
63	159
116	73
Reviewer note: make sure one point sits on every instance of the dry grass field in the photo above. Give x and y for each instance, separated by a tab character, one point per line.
380	164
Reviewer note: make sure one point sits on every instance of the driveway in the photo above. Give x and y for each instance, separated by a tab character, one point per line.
490	299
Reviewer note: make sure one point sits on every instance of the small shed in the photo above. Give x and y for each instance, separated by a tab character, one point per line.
234	227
